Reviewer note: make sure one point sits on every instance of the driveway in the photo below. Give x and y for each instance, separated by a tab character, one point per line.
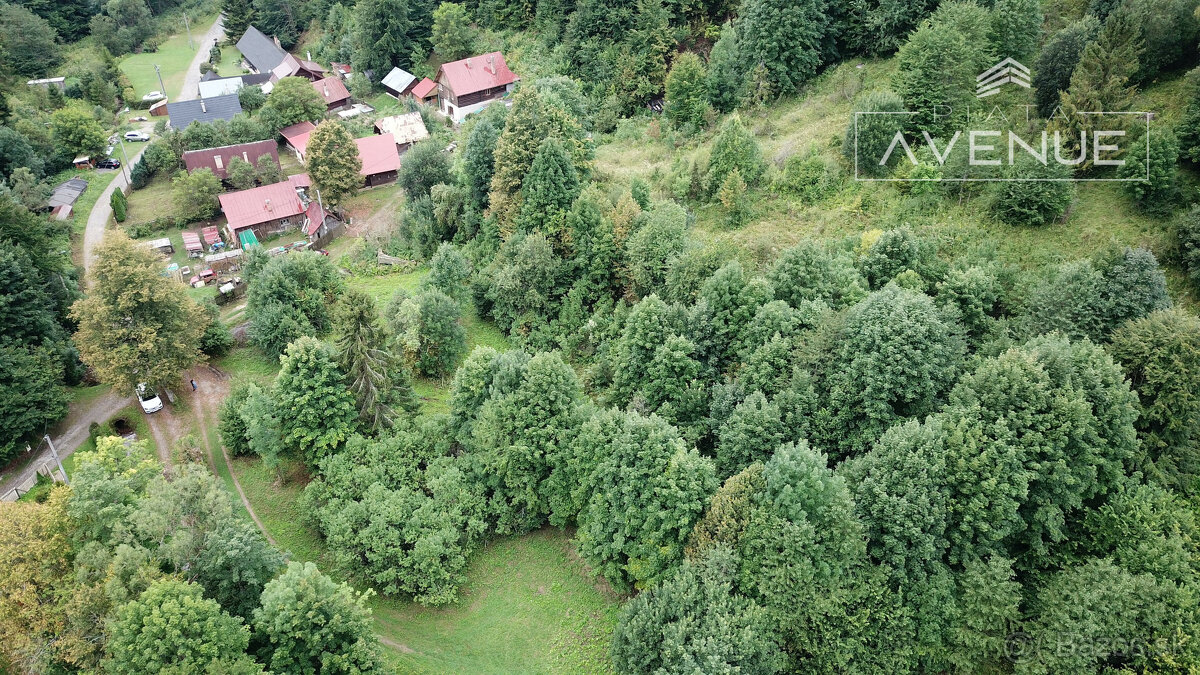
191	80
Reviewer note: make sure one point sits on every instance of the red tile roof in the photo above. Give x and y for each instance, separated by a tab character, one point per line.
331	89
261	204
424	88
297	135
300	180
476	73
378	154
250	152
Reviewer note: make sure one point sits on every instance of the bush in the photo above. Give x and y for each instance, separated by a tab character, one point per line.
874	133
1188	232
1033	202
1156	189
810	178
160	224
118	204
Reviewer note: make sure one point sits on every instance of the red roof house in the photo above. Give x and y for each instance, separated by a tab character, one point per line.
470	84
217	159
333	91
266	210
296	136
300	180
380	160
191	242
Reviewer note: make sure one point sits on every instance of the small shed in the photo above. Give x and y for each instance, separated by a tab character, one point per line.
398	82
65	194
211	235
225	260
191	243
162	245
426	91
82	162
408	129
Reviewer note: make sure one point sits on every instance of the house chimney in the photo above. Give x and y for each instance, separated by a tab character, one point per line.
468	63
308	55
267	205
203	108
276	40
326	91
491	63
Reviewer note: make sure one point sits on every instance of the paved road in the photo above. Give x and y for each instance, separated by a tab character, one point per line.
191	80
101	212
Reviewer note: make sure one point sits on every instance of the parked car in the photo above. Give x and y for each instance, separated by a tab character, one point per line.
149	399
137	136
154	96
109	163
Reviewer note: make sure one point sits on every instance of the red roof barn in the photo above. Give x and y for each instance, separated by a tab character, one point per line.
266	210
296	136
218	159
380	160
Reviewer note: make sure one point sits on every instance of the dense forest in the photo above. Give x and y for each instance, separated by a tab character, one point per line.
893	449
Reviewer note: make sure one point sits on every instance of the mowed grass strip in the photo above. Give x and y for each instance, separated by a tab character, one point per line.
173	57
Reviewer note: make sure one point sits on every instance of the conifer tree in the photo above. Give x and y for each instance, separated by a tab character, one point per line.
1057	60
785	36
735	148
726	71
1100	82
687	93
378	381
381	37
548	191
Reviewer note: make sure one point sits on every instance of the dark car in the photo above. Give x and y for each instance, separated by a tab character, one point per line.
108	164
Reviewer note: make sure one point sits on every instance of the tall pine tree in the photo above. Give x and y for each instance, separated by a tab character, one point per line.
787	37
548	190
382	37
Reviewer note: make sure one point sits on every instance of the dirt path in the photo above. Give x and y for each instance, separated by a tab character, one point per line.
212	387
71	433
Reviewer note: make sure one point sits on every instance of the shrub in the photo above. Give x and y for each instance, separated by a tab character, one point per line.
1033	202
1155	191
868	136
810	178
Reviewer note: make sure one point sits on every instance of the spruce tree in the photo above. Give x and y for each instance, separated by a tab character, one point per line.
548	191
1016	28
726	71
237	17
381	36
377	380
786	36
1057	60
1100	83
735	148
687	93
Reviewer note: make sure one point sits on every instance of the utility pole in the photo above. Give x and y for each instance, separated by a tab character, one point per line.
54	454
160	82
125	164
188	24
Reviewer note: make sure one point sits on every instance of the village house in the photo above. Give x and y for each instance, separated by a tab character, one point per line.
333	91
380	159
262	212
213	85
260	54
294	67
203	110
296	137
217	159
408	129
469	85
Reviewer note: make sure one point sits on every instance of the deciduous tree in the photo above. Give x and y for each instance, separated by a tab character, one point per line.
333	162
132	327
316	412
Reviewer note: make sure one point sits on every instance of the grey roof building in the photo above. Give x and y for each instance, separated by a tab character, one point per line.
203	110
260	52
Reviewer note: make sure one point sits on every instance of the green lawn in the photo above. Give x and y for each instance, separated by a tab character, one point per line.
150	202
173	58
231	61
